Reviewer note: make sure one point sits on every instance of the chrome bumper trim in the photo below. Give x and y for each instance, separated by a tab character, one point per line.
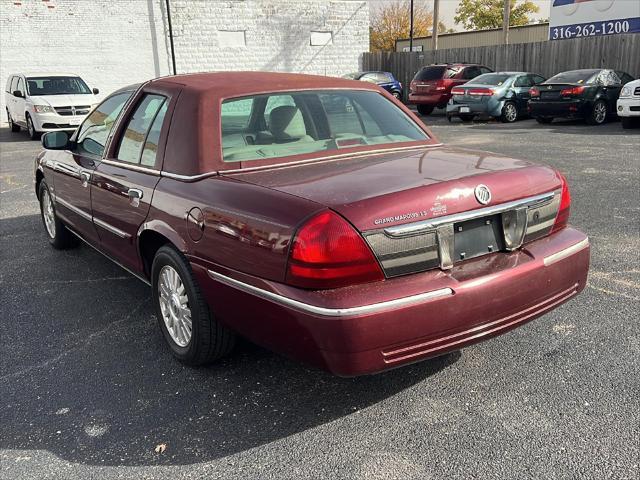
431	224
556	257
328	312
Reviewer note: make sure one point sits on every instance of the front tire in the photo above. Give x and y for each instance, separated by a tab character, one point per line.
425	109
14	126
57	233
598	114
194	335
31	129
509	113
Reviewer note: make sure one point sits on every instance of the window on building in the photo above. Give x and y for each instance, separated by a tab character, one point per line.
232	38
320	39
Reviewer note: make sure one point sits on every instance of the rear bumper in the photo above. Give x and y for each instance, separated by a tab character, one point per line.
628	107
490	108
434	99
369	328
575	108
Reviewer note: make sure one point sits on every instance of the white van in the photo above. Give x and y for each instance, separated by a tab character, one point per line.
49	101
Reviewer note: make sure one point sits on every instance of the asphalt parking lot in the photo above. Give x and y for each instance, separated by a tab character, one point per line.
88	389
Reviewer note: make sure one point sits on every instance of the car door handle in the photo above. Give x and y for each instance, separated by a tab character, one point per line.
135	195
84	178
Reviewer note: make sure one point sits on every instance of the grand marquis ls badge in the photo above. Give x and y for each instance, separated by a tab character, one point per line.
483	194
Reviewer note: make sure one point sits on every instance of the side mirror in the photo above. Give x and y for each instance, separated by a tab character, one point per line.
95	91
55	140
18	93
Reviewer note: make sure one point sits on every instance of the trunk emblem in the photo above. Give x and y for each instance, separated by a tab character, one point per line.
483	194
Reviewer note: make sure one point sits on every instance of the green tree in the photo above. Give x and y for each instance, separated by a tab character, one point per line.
483	14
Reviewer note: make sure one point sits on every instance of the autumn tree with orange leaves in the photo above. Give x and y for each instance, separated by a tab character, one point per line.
392	22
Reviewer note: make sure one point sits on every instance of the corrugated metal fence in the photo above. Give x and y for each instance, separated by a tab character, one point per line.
620	52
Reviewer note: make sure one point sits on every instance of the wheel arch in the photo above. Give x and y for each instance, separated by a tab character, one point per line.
151	237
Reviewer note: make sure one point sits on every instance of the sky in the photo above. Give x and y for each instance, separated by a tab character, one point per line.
448	10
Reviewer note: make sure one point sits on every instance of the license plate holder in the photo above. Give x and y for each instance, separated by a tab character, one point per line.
465	110
477	237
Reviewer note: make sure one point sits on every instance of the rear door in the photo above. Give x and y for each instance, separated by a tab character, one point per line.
125	180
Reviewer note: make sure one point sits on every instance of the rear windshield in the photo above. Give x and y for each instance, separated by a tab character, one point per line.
575	76
56	86
296	123
490	79
432	73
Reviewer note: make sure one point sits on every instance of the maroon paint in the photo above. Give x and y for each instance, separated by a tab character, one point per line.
250	217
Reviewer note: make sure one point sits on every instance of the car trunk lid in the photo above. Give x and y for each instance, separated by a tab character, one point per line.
398	200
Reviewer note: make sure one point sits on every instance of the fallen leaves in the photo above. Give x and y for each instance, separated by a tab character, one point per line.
160	448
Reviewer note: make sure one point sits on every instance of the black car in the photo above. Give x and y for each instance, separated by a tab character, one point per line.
384	79
590	94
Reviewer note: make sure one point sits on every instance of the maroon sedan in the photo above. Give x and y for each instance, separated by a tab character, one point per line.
315	216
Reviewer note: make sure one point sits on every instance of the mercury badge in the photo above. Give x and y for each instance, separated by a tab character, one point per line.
483	194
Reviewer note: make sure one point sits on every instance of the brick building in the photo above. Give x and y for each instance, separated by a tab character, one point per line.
111	43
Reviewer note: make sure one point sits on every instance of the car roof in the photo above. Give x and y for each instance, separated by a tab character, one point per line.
235	84
47	74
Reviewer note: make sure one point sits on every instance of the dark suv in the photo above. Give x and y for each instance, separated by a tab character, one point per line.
431	86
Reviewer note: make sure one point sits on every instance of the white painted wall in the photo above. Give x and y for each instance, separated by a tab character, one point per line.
112	43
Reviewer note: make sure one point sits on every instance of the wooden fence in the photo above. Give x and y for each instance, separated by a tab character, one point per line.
619	52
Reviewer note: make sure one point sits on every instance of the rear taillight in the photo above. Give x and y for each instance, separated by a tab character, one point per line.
457	91
562	218
480	92
440	85
327	252
570	92
534	92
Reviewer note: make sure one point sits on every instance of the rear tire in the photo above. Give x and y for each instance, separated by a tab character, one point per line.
397	95
509	113
196	338
58	235
544	120
598	114
31	129
627	122
14	126
425	109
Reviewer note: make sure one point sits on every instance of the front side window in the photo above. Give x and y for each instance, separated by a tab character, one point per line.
14	84
57	86
135	135
20	85
312	121
94	131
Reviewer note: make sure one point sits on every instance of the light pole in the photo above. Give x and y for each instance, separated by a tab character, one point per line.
434	33
411	28
505	20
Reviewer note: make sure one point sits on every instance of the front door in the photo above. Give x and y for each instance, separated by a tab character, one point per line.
73	169
20	103
124	182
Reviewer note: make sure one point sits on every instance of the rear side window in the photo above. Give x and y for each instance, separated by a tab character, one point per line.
135	136
94	131
236	115
430	73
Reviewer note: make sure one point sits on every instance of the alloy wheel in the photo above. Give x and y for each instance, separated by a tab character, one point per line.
174	305
510	112
600	112
48	214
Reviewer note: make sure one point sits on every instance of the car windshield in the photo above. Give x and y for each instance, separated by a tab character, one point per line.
574	76
284	124
56	86
490	79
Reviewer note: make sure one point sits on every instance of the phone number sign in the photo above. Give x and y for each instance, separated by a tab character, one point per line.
589	18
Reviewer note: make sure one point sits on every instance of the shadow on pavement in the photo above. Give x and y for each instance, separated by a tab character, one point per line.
85	373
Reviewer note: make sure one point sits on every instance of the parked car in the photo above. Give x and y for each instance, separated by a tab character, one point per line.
431	86
352	240
502	95
385	80
629	104
590	94
47	102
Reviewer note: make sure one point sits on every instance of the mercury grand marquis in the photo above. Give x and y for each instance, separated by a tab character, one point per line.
315	216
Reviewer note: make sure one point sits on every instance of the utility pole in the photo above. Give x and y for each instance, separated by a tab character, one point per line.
505	20
434	33
411	28
173	51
